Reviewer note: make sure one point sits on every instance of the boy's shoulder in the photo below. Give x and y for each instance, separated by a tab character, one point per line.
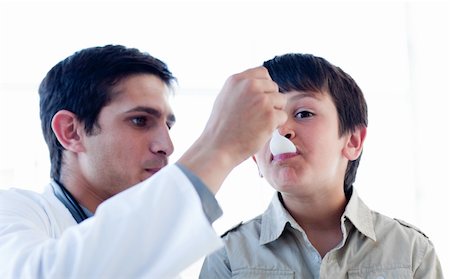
252	225
393	226
410	226
234	228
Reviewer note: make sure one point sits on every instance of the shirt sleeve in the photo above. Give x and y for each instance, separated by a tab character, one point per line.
430	266
216	265
210	205
155	229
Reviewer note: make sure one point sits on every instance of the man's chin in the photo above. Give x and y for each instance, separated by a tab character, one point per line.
150	172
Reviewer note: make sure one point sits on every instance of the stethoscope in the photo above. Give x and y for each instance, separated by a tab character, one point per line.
69	201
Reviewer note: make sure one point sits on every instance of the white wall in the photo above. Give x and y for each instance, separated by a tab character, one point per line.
398	52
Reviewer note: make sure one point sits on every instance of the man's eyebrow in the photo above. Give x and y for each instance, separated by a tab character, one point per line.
156	113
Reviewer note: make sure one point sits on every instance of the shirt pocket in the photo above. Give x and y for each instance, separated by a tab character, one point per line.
381	273
258	273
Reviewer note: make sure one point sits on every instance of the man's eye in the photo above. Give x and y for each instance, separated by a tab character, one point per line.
139	121
303	114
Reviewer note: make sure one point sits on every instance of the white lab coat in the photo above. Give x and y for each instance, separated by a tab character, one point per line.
153	230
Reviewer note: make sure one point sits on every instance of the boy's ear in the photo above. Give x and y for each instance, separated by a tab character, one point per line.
355	141
67	130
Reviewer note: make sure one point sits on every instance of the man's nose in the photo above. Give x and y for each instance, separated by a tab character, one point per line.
161	142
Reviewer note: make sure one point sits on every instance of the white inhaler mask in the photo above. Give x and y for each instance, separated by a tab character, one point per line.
279	144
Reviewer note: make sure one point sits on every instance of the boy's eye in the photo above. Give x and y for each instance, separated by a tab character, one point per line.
303	114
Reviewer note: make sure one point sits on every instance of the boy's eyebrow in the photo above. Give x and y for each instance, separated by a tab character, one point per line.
152	111
304	94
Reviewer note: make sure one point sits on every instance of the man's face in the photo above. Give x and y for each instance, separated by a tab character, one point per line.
133	141
319	162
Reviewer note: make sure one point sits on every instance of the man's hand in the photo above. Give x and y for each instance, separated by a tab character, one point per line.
245	113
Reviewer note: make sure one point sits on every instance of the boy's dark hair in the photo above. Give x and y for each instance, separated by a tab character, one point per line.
82	83
306	72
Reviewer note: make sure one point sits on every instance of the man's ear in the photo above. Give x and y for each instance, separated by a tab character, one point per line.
67	129
355	141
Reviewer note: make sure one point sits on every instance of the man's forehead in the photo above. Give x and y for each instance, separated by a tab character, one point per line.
140	81
144	93
141	86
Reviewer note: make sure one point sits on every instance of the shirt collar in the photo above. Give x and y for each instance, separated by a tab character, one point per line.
360	215
275	218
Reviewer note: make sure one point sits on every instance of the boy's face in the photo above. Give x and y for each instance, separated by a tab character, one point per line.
320	161
133	140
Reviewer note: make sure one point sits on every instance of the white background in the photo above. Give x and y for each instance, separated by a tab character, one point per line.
398	52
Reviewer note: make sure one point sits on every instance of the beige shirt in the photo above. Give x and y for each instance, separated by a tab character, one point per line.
273	245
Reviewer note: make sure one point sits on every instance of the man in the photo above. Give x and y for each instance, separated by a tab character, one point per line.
316	225
106	119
